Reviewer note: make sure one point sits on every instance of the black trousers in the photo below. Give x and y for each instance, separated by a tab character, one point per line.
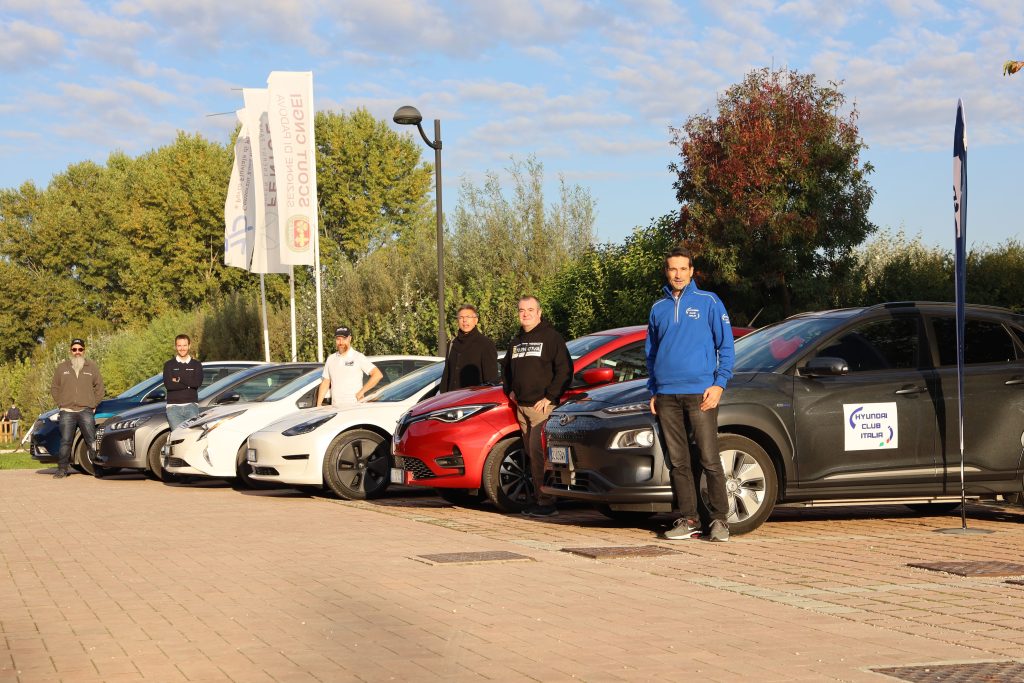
679	416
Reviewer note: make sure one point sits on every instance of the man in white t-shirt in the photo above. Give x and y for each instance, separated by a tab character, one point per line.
343	373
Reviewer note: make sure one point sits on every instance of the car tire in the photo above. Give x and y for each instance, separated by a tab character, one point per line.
243	471
624	516
752	484
934	508
506	476
462	496
357	465
153	459
82	460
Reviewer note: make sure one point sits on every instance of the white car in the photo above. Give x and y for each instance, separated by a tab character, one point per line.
212	444
346	449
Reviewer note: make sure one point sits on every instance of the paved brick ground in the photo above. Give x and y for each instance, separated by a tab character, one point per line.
127	579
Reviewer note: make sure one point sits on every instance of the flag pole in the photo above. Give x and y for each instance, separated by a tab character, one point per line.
316	279
960	285
291	279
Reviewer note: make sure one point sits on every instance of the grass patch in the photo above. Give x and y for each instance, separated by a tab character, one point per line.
19	461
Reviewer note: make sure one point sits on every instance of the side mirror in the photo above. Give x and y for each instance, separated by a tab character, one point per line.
155	397
230	398
825	366
598	376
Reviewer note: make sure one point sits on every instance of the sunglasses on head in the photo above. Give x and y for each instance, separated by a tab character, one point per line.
77	349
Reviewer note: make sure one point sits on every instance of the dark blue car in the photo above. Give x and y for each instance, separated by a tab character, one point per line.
45	442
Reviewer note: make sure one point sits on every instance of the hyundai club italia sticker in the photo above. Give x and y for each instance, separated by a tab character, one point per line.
870	426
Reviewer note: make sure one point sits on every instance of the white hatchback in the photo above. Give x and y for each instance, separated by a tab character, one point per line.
346	449
213	444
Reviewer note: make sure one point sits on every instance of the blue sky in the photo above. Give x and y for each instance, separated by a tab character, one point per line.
589	87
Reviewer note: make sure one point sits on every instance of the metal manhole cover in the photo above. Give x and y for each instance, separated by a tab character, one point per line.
978	568
622	551
473	558
979	672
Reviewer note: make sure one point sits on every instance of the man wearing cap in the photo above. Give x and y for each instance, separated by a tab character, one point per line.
77	388
343	373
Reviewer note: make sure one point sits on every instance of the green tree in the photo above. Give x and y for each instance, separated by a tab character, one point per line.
371	185
775	194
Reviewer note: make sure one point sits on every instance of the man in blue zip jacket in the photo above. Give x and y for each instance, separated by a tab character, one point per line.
689	361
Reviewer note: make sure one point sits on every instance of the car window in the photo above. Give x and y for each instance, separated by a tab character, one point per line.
984	342
893	343
771	347
143	386
285	390
256	388
212	374
391	369
408	385
628	362
584	345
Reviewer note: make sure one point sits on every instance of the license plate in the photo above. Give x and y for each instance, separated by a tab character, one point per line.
250	455
558	455
397	476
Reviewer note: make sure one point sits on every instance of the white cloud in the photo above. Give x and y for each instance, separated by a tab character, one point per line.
24	45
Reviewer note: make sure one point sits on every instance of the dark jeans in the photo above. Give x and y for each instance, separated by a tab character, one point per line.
679	416
179	412
68	421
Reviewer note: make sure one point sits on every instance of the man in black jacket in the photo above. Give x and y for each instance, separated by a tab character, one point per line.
183	375
472	357
537	371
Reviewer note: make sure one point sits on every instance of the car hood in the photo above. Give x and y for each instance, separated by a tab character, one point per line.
296	418
624	393
140	411
485	394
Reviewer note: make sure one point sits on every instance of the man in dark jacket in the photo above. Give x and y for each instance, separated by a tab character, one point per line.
13	416
183	375
77	388
472	357
537	371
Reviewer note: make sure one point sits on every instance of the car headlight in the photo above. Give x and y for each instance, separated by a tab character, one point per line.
131	423
307	426
458	413
634	438
644	407
211	423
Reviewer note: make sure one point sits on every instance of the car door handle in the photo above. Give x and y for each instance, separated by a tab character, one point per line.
912	389
1014	382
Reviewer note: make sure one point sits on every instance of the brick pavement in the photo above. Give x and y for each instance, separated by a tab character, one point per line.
128	579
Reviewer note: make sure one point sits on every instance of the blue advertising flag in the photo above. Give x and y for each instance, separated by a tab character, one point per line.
960	268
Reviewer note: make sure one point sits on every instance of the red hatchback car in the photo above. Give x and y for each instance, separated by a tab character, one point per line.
467	444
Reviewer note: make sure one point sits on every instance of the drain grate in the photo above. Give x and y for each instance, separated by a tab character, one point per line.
621	551
473	558
978	568
980	672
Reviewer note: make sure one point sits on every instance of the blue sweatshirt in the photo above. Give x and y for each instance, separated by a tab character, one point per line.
689	343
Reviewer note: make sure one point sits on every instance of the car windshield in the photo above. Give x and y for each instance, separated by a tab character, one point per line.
224	382
144	385
772	347
404	387
584	345
291	387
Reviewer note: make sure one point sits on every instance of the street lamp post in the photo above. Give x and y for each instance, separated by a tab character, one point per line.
410	116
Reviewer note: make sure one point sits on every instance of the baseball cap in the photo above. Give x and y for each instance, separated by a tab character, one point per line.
78	341
342	332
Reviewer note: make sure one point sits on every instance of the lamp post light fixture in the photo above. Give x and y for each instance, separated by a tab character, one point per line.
410	116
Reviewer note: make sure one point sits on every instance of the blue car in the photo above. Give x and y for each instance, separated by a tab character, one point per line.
45	440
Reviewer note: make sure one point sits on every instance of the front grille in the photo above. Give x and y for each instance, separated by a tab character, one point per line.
567	481
176	462
418	468
268	471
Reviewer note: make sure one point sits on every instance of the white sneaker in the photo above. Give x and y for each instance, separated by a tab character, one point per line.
683	530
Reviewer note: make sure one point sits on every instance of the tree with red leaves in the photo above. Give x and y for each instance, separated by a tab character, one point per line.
773	192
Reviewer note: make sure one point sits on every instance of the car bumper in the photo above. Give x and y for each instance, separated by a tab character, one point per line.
283	459
117	449
189	454
439	455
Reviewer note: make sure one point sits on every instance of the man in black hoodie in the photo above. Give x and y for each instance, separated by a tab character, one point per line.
537	371
472	357
183	375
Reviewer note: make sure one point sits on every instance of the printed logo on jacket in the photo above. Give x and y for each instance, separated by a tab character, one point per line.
527	349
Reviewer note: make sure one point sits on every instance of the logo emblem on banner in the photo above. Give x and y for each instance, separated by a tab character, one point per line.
299	237
870	426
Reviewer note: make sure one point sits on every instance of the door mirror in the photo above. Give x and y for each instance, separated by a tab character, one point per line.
598	376
230	398
155	396
825	366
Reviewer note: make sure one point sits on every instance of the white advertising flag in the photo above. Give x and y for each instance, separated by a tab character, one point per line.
266	255
290	115
239	230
